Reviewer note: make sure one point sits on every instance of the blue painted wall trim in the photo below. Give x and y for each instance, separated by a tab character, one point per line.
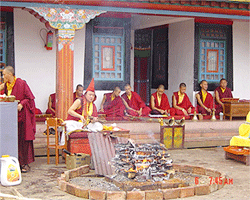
128	10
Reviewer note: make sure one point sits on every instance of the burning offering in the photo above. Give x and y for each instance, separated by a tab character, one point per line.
143	162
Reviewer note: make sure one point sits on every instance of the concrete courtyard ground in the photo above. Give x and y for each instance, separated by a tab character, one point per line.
41	181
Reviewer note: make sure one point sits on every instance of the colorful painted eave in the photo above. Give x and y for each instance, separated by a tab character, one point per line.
198	8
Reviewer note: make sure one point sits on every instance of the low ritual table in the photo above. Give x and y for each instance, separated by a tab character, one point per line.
79	143
236	109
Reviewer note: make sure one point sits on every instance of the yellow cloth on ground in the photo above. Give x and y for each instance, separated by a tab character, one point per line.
240	141
244	131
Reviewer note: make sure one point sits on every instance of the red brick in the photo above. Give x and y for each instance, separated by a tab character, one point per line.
199	170
66	176
187	192
135	195
62	185
176	167
213	187
223	178
116	195
153	195
70	188
63	176
83	193
172	193
73	173
165	185
201	190
83	169
97	195
212	173
186	169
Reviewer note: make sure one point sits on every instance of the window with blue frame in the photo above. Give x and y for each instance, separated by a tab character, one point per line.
213	55
212	62
108	54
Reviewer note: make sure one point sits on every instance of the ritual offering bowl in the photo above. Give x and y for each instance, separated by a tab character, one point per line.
10	98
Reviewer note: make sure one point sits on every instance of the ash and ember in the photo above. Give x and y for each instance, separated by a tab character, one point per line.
140	167
142	162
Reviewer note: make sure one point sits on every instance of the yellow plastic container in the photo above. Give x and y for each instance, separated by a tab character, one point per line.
10	171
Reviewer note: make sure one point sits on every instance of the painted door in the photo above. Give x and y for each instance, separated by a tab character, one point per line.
142	63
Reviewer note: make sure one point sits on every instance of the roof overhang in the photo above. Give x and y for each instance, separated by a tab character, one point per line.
207	9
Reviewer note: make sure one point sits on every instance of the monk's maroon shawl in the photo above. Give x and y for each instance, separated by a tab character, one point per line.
226	94
23	93
136	103
113	108
164	102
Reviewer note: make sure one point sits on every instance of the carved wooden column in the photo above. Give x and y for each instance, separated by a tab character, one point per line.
64	71
66	21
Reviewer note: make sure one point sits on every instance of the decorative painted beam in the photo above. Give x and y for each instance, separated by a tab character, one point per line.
148	8
65	21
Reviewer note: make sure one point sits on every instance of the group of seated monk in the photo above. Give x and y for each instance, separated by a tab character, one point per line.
52	100
130	103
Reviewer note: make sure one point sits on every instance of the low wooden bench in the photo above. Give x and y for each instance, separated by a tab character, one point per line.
240	154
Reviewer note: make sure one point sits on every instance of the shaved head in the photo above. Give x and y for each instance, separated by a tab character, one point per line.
127	85
10	69
161	87
117	89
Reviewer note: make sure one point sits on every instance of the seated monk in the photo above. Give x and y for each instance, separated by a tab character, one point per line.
52	105
78	93
83	108
134	104
112	104
205	100
181	103
221	92
159	102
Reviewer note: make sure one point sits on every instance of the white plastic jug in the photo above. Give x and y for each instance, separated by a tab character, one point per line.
10	171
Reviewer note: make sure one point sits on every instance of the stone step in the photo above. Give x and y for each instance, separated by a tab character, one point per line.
197	134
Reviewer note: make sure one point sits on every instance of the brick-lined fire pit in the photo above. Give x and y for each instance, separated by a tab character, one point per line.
197	188
142	162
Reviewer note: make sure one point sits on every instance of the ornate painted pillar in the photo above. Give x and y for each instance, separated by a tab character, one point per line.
66	21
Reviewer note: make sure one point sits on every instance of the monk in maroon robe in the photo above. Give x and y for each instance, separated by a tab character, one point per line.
221	92
26	116
78	93
83	108
205	101
112	104
52	105
134	104
159	102
181	103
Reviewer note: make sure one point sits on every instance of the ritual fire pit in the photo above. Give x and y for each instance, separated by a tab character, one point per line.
141	171
141	166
